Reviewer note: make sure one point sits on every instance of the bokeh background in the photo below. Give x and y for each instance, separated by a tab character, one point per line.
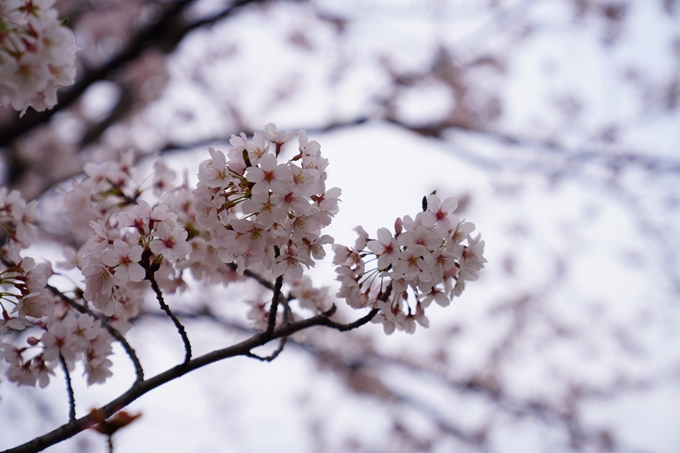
556	124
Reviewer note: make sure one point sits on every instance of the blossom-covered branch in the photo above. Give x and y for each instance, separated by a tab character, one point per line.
253	214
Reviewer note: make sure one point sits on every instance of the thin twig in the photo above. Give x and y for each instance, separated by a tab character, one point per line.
273	355
166	309
69	388
353	325
254	275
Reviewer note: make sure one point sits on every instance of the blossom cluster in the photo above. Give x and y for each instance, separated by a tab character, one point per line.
124	237
249	211
37	54
262	213
431	256
26	301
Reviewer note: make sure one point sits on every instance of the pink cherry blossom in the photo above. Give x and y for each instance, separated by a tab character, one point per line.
272	134
269	175
170	241
125	260
386	247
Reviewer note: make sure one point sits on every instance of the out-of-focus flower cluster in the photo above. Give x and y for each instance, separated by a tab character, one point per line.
26	301
431	256
37	54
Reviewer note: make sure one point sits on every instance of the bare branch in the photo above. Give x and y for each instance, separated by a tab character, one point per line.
353	325
255	276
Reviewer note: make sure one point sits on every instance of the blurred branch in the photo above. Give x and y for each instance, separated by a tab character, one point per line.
123	106
583	155
172	147
440	131
165	34
143	38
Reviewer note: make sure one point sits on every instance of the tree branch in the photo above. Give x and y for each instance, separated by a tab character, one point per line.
254	275
66	97
439	130
142	387
161	301
273	355
69	389
271	321
353	325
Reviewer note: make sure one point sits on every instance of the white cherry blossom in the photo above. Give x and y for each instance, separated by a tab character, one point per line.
170	241
125	260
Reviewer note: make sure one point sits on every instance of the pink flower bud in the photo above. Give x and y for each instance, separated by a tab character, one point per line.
397	226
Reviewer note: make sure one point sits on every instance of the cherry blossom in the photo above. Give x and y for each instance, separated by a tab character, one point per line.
125	259
272	134
170	241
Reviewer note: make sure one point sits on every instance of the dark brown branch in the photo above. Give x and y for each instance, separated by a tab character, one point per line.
111	330
353	325
255	276
142	387
271	321
69	389
361	321
501	398
273	355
